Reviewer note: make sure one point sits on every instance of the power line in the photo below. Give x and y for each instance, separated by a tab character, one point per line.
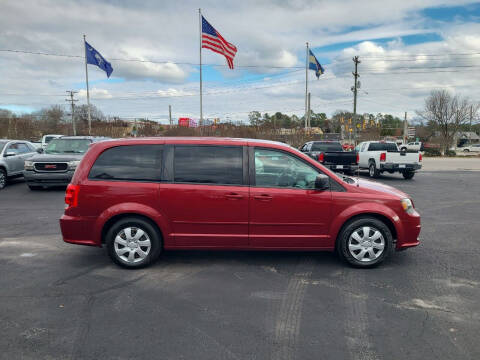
149	61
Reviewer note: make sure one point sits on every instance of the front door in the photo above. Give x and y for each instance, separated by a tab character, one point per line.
285	209
14	162
207	201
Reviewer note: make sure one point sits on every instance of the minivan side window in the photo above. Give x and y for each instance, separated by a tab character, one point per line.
128	163
206	164
279	169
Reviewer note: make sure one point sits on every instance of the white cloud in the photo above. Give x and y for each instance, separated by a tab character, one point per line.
269	33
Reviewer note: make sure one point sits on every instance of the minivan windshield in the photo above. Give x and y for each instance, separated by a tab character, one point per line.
70	146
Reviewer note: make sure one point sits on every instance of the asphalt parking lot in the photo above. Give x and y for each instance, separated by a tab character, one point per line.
61	301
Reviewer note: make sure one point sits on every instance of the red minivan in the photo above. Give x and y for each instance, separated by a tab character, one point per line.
139	197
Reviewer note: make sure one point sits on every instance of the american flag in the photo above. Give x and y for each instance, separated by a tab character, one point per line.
211	39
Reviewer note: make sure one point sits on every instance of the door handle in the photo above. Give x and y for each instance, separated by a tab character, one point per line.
233	196
263	197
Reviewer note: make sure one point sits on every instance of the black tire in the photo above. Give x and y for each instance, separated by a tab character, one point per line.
3	178
408	174
354	226
466	150
372	170
403	149
35	187
152	234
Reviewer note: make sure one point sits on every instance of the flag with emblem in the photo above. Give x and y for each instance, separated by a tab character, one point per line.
95	58
313	64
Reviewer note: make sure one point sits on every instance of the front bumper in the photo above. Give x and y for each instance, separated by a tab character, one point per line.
48	178
410	230
399	167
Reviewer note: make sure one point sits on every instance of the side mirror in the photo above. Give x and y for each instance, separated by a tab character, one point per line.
322	182
40	150
9	153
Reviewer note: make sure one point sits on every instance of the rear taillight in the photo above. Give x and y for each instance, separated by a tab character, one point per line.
358	158
321	157
420	157
383	157
71	195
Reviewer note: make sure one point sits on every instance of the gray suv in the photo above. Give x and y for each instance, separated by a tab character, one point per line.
55	165
12	155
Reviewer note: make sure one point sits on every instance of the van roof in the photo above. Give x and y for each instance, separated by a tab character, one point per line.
196	140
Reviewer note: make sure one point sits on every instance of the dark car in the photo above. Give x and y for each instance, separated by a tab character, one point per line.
138	197
332	155
56	164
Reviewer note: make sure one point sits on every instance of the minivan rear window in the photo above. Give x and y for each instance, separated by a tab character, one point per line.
128	163
221	165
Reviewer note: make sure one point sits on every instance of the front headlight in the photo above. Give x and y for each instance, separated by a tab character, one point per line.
407	206
28	165
72	165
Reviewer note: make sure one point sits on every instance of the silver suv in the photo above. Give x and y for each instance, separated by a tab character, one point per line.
12	156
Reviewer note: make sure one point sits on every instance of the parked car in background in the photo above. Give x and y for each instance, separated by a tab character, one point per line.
381	156
332	155
57	163
411	146
47	138
471	148
12	155
138	197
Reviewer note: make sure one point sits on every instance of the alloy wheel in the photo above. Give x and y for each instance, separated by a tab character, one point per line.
366	244
132	245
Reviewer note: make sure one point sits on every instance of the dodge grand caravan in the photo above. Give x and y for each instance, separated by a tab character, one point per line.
138	197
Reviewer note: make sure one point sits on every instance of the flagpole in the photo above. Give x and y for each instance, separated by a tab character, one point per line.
88	92
306	87
200	35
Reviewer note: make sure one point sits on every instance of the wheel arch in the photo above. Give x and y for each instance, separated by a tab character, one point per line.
112	215
386	219
110	222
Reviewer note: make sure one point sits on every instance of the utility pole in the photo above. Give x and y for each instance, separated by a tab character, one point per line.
354	89
471	118
72	104
405	129
170	114
306	88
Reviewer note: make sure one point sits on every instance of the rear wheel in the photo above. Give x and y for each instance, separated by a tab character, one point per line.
372	170
408	174
133	243
466	150
3	178
403	149
365	242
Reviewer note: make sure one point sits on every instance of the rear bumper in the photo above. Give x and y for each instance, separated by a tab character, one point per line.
335	167
48	179
78	230
399	167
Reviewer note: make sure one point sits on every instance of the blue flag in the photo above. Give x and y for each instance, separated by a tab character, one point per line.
94	58
313	64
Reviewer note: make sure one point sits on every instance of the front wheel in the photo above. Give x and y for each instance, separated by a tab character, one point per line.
365	242
466	150
3	178
133	243
408	174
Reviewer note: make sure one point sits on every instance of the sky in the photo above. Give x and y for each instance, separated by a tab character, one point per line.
407	49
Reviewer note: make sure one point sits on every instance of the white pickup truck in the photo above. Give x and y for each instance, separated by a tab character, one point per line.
381	156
